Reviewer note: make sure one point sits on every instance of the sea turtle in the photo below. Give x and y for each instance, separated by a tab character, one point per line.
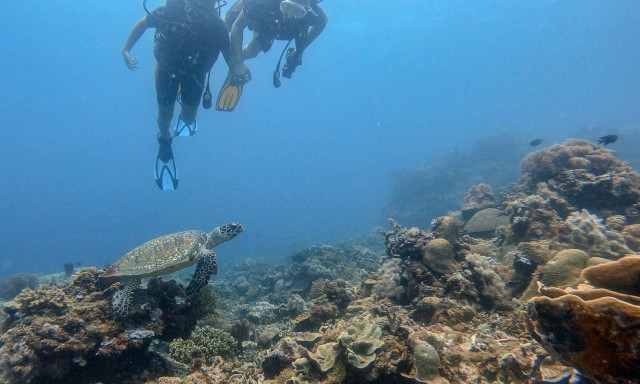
168	254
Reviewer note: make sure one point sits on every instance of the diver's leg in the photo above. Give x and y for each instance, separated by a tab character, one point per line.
188	114
252	49
166	91
165	113
191	94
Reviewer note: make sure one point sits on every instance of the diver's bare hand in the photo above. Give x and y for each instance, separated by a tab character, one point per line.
241	74
131	62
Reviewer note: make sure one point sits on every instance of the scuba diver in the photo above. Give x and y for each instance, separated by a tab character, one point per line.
299	20
189	36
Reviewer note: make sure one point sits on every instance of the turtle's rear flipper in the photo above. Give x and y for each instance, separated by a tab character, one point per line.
206	267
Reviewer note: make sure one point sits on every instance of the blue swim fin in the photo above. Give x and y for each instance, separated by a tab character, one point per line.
184	129
166	173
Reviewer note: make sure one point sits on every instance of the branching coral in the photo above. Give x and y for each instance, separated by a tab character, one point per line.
405	243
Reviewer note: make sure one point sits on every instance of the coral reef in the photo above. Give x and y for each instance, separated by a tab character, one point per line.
436	305
68	333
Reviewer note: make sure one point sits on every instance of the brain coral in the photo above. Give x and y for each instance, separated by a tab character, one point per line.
587	175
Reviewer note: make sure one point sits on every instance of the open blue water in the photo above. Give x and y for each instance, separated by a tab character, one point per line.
388	85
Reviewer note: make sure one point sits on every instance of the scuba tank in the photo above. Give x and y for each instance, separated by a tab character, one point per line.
177	3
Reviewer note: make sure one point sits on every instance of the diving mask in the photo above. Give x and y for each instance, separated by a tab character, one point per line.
294	9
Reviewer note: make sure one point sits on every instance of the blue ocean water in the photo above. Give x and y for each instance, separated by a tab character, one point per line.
389	84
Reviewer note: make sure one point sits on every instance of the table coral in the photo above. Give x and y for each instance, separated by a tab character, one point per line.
621	276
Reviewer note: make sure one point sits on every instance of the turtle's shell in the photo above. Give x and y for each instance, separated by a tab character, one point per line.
160	256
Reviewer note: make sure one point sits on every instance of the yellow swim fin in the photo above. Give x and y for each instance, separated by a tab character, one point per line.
229	95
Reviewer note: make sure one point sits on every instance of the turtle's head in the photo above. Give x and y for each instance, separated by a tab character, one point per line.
231	230
223	233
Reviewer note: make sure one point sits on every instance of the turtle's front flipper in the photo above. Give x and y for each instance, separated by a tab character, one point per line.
121	300
206	267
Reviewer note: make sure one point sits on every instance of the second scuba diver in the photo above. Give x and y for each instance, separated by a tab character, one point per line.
188	40
299	20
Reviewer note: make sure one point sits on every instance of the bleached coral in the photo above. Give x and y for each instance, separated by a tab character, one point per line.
389	284
489	283
586	231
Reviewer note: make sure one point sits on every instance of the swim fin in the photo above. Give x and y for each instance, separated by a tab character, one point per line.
229	95
184	129
165	171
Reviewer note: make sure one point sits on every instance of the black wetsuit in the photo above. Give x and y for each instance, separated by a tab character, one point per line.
268	24
185	52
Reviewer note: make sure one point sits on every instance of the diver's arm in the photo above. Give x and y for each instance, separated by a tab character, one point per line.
317	28
134	36
237	37
240	71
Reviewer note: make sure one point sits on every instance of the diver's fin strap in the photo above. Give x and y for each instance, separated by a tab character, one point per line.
184	129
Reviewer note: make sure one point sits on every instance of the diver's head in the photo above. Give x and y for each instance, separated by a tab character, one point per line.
198	10
294	9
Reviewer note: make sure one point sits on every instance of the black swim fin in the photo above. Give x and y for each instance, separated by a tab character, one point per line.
229	95
166	172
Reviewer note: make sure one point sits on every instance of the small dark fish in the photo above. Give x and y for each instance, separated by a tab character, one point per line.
536	142
604	140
